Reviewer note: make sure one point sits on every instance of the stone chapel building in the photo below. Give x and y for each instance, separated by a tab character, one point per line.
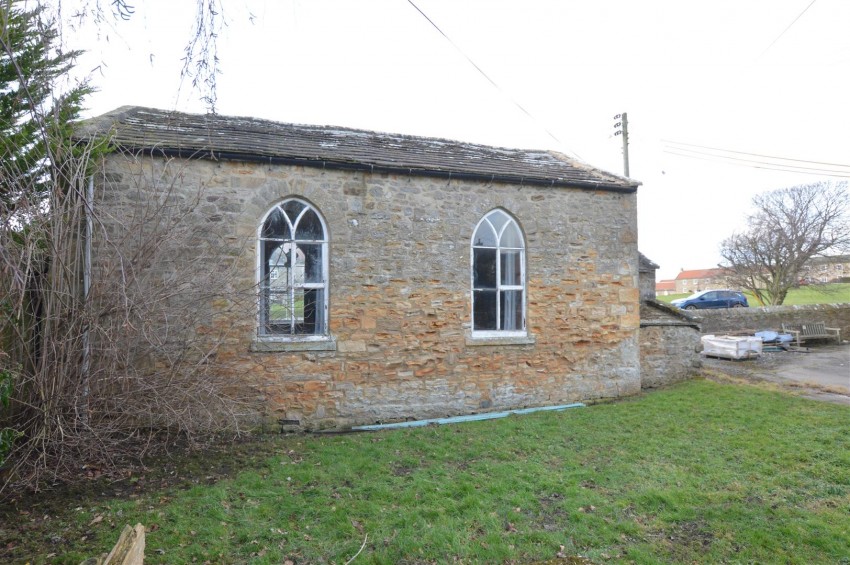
388	277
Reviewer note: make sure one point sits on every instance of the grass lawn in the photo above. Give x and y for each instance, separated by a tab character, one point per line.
812	294
697	473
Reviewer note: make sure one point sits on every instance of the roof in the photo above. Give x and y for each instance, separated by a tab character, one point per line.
645	264
701	274
211	136
662	310
668	284
829	259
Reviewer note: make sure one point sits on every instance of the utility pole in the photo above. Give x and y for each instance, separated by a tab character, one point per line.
623	129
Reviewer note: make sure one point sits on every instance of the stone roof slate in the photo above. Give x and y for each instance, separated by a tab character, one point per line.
645	264
149	130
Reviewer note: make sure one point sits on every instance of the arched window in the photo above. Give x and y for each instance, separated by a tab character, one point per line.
293	271
498	276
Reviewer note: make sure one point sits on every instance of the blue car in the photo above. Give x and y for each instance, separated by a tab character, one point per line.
705	299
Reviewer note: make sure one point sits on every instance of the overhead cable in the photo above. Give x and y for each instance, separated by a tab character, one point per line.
756	164
490	80
772	43
773	157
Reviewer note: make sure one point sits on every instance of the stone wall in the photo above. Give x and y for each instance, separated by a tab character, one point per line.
772	317
399	290
669	345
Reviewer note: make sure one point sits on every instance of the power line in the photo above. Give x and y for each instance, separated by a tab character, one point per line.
808	162
490	80
702	156
786	29
756	164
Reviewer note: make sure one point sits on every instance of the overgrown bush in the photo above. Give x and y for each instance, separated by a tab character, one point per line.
107	352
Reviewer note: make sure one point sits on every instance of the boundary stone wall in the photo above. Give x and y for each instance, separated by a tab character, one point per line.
772	318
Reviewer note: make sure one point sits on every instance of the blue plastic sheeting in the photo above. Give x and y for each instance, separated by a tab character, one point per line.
770	336
469	418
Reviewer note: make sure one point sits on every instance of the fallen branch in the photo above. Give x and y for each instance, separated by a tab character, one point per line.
358	551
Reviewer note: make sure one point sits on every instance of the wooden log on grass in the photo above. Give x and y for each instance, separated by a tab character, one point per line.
130	549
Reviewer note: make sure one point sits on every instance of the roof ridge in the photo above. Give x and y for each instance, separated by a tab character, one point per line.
214	136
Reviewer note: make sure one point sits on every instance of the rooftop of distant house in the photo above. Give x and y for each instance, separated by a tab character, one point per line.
701	274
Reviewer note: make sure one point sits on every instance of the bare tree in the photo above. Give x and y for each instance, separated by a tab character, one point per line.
788	228
201	63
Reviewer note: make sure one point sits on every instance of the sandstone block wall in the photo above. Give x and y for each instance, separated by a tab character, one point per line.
772	317
669	345
399	291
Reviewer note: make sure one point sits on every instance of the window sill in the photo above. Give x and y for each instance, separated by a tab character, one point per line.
475	341
273	345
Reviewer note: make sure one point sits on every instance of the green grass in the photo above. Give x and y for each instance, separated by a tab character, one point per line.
813	294
697	473
279	311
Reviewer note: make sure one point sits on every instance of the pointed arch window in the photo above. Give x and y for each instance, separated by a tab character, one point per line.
293	271
498	277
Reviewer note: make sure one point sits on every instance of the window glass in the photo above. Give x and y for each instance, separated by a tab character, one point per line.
292	209
511	267
484	268
484	236
485	309
498	275
498	219
276	257
309	227
276	226
511	309
511	237
293	276
312	262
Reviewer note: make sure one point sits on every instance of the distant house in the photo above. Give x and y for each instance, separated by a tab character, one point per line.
379	277
835	268
819	270
665	287
701	279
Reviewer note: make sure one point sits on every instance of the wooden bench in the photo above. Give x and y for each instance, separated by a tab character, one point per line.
813	330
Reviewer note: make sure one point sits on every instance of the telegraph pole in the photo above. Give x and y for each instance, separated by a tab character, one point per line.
622	128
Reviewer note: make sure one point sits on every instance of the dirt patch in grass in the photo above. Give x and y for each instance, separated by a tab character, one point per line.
36	527
552	516
682	540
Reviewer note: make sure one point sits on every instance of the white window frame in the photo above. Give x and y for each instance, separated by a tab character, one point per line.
523	286
324	284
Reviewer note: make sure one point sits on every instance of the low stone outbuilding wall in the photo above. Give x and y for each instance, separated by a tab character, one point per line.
669	344
772	318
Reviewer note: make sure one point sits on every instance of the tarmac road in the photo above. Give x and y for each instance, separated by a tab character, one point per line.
827	366
821	374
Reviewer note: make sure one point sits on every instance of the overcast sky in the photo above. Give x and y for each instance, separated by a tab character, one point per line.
758	79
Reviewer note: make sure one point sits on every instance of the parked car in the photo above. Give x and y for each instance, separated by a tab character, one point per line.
712	299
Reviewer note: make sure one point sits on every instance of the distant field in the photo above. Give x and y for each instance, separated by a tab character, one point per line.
812	294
